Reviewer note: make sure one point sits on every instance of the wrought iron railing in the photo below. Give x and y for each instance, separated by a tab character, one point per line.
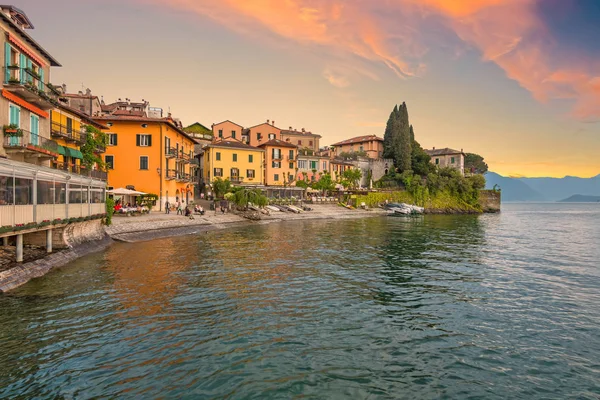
80	170
30	80
170	152
67	132
28	141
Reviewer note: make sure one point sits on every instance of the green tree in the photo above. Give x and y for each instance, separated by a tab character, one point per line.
475	163
326	184
94	139
389	135
420	160
352	155
402	144
246	196
220	187
351	178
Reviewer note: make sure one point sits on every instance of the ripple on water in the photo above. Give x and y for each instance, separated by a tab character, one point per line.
498	306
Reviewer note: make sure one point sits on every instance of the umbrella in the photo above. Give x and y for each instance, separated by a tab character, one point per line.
125	192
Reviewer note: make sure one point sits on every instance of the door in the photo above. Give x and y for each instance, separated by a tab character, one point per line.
15	119
35	130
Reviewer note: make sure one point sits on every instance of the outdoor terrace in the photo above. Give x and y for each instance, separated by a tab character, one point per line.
22	141
26	84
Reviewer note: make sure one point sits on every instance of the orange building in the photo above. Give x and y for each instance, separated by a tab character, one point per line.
154	155
371	145
280	167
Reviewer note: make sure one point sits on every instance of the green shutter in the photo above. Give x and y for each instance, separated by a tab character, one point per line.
23	65
137	140
41	83
149	140
6	61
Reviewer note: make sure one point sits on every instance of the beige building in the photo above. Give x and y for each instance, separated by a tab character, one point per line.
448	158
302	139
227	129
370	144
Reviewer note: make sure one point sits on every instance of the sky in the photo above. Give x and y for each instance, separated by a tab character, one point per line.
517	81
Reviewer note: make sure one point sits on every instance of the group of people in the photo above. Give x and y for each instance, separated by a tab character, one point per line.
129	208
182	209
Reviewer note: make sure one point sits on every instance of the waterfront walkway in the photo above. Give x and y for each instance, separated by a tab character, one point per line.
158	224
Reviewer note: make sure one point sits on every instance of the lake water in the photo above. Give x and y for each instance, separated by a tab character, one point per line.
494	306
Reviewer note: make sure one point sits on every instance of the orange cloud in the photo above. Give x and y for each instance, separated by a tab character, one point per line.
508	33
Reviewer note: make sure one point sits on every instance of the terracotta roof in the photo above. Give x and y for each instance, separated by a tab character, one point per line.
289	132
443	152
229	121
129	112
82	96
135	118
278	143
233	143
358	139
341	162
264	123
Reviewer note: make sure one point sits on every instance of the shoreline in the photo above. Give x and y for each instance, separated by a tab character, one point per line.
158	225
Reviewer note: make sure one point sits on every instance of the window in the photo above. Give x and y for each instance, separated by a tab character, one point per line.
220	133
324	165
144	162
302	164
250	173
143	140
452	160
110	162
218	156
310	142
314	164
291	155
291	165
23	189
218	172
45	192
69	125
299	142
144	125
109	124
112	139
276	164
276	177
271	136
233	134
234	157
250	158
276	154
167	145
259	136
361	148
437	161
75	194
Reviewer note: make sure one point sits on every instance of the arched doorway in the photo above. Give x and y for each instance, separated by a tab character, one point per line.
177	193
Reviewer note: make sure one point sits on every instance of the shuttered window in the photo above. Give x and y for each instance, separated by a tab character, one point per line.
143	140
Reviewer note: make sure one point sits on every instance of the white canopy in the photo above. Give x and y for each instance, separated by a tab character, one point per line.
125	192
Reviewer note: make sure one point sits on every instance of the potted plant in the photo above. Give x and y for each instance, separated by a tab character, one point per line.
14	81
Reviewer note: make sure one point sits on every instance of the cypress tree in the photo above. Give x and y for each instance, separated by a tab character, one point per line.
388	137
403	145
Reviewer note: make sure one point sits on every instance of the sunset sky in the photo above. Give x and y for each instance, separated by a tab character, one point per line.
517	81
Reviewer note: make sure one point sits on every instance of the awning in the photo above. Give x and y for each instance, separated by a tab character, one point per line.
69	152
60	150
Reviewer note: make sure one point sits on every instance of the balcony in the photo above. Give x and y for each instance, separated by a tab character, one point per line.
236	180
26	84
101	148
170	152
184	157
291	159
80	170
67	133
171	174
31	144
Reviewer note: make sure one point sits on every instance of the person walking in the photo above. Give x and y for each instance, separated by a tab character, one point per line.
167	207
178	205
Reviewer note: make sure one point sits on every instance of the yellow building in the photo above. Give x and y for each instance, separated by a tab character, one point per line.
68	129
154	155
231	159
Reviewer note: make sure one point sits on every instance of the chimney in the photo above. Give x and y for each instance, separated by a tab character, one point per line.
290	128
303	130
273	122
433	147
88	92
64	87
268	122
80	93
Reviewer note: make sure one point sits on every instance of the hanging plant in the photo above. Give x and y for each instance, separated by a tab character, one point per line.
12	130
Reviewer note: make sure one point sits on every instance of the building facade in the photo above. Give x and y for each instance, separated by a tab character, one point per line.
302	139
153	155
447	157
231	159
227	130
261	133
280	162
371	146
311	167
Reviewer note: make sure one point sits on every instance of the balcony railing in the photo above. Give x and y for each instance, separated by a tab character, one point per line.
171	174
236	179
67	133
80	170
170	152
28	85
292	158
30	143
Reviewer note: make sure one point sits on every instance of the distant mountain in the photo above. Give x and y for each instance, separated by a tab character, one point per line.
580	198
512	189
543	189
555	189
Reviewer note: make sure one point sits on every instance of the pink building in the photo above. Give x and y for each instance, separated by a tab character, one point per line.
261	133
227	129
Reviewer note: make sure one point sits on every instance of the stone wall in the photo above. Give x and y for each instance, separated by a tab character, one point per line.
379	168
490	201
